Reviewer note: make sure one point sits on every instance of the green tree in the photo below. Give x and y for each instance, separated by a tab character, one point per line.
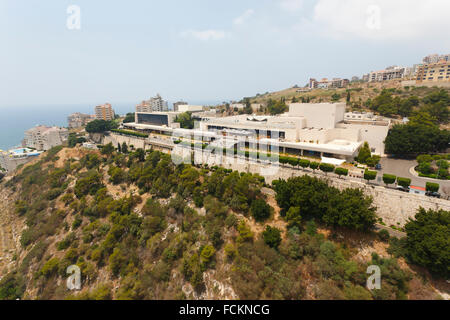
351	209
404	182
419	136
370	175
100	126
304	163
276	107
341	171
314	165
432	187
207	254
364	153
294	217
129	118
124	148
325	167
12	287
272	237
185	120
260	210
389	179
107	149
427	241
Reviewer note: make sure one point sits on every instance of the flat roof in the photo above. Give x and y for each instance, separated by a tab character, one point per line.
334	147
181	131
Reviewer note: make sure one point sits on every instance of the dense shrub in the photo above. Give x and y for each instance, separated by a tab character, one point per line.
272	237
404	182
389	178
260	210
427	241
432	187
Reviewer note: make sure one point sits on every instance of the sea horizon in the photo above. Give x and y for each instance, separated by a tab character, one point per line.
15	120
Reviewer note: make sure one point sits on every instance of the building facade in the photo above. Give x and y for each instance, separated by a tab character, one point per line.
328	84
389	73
104	112
155	104
434	72
190	108
11	159
316	130
44	138
435	58
78	120
177	104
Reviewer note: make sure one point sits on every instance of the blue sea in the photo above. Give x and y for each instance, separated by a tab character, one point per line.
14	121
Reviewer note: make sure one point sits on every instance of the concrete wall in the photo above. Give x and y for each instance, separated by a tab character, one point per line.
374	135
10	164
116	139
319	115
394	207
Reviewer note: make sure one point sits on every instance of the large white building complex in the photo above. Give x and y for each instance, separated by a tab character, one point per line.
43	138
317	130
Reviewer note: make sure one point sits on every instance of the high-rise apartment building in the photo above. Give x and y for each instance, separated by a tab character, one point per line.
155	104
434	72
435	58
43	138
104	112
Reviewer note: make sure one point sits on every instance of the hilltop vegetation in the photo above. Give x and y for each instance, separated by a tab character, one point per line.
387	98
140	227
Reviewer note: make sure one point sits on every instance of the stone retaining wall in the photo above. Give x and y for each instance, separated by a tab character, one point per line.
394	207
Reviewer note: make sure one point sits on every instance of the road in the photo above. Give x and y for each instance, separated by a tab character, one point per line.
401	168
392	232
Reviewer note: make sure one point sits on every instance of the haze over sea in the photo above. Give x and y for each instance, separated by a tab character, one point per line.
15	120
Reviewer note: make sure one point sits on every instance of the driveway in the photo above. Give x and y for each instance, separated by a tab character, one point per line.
401	168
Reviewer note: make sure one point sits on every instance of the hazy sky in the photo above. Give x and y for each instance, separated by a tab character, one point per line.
198	50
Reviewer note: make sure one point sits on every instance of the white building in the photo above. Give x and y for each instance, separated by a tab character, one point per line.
44	138
11	159
189	108
78	120
390	73
155	104
318	130
435	58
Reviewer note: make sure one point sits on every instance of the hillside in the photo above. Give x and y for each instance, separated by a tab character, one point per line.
140	227
360	93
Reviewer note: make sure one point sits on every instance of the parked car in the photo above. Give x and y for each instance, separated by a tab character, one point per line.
433	194
403	189
378	167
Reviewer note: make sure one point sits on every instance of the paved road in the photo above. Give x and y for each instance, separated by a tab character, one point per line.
401	168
